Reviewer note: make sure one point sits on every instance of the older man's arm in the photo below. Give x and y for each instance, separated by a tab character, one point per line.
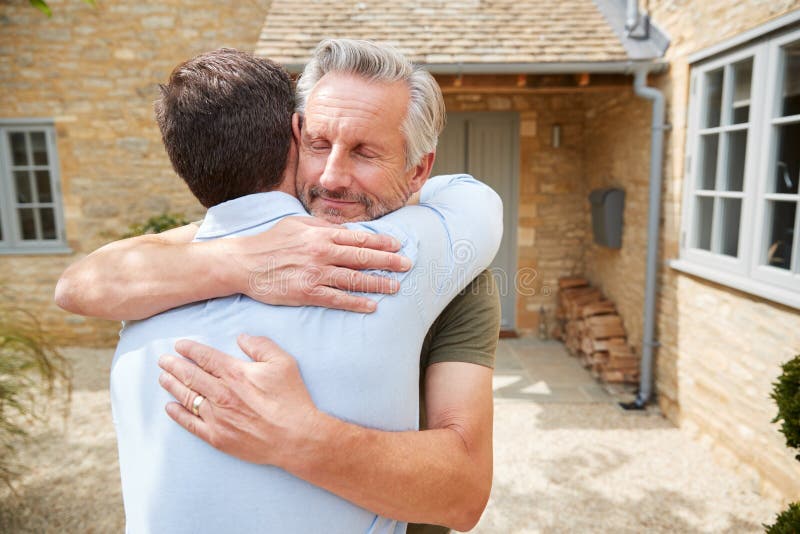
440	476
261	412
300	261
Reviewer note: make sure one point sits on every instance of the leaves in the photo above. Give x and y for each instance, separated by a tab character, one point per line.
786	394
42	6
157	224
788	522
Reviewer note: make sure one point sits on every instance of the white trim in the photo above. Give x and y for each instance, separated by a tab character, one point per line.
742	283
12	242
788	279
750	35
22	123
747	272
691	187
40	251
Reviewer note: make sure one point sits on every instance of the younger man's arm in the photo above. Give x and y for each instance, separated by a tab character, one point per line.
300	261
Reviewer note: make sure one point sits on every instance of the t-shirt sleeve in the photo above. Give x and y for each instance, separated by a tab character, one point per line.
468	328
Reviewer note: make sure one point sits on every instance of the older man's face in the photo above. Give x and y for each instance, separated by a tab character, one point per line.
352	151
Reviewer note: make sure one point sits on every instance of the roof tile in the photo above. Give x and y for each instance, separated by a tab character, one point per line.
434	31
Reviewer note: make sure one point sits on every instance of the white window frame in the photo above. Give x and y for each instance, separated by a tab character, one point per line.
12	242
746	271
790	279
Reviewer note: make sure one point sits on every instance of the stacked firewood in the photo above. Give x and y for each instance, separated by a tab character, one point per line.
591	329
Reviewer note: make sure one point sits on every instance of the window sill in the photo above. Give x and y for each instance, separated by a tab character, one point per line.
747	285
44	251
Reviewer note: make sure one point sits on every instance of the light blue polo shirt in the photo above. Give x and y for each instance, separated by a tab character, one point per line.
362	368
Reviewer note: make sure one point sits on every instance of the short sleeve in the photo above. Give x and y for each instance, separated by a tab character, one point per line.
468	328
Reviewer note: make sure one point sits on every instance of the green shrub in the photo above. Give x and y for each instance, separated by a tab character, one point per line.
157	224
786	394
788	522
31	369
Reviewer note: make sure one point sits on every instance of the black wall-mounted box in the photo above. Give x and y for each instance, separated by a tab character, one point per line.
607	207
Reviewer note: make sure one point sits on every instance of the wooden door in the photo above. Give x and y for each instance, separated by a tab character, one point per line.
486	145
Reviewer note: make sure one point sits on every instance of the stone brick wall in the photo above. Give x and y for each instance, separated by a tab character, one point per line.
720	348
95	71
617	155
552	192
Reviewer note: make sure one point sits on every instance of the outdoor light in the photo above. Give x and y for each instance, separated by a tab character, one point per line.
556	140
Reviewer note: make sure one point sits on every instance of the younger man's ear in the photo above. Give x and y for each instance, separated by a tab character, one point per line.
297	124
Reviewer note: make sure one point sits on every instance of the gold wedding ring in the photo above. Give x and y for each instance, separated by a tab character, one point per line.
198	400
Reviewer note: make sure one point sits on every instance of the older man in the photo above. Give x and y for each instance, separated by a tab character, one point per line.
359	149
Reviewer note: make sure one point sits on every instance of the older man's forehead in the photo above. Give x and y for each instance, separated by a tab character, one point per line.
348	90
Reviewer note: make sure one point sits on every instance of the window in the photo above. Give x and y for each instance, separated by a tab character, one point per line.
741	218
30	207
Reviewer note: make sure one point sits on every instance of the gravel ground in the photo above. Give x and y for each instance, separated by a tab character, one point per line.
593	468
559	467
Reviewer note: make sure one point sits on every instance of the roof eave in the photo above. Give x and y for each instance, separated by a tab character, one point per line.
577	67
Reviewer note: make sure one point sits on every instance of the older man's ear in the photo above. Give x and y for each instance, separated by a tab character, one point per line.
421	172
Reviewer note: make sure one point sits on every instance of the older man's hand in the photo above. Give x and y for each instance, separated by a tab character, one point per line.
252	410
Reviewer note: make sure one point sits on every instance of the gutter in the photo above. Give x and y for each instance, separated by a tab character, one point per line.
653	228
577	67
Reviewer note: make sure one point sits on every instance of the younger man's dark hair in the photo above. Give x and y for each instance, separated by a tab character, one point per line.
226	122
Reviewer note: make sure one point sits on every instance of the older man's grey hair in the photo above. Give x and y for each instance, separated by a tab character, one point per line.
425	118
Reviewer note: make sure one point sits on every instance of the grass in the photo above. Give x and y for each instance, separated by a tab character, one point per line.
32	371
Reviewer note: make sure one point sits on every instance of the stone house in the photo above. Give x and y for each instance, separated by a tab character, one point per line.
541	104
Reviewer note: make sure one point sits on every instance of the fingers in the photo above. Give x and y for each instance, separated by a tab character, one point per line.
185	418
211	360
191	377
329	297
355	238
365	258
350	280
259	348
185	395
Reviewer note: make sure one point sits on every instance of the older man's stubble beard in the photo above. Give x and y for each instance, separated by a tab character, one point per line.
373	209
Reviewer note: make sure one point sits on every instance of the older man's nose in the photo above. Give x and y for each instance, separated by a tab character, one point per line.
337	172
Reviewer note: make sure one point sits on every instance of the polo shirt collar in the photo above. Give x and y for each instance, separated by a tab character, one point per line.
247	212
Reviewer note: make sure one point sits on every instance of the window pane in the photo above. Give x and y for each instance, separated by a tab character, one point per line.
713	99
734	169
703	217
23	185
38	148
731	219
18	153
791	80
742	80
26	223
43	186
708	161
787	168
48	223
781	230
